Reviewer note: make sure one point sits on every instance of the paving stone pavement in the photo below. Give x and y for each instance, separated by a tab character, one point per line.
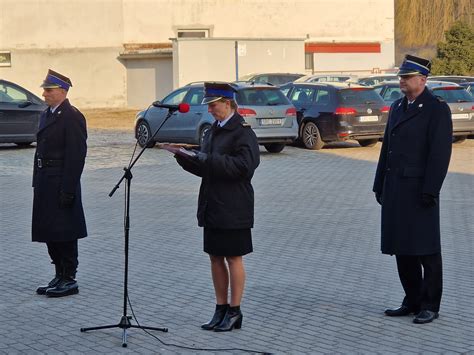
316	282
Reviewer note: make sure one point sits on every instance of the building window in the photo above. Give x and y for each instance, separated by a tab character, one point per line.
5	59
193	33
309	61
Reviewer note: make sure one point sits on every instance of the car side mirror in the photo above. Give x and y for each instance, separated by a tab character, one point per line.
25	104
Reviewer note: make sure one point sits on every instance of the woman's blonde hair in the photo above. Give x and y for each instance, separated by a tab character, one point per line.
233	104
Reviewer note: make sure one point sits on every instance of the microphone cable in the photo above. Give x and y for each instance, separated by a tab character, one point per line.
176	345
190	347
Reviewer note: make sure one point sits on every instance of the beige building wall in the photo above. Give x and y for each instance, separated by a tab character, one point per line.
148	80
214	59
78	38
84	39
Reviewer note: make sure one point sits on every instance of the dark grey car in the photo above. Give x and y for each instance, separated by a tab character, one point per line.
19	114
334	112
264	107
459	100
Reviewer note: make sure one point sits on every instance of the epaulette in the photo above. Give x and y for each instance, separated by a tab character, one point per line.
440	99
245	124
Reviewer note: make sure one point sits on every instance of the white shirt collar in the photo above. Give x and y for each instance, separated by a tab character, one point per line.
54	108
223	122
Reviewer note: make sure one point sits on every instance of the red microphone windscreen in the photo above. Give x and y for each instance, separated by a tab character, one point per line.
183	108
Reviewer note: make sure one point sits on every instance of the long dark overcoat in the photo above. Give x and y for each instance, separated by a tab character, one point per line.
62	138
413	160
226	196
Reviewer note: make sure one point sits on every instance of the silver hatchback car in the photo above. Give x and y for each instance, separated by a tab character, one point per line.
270	114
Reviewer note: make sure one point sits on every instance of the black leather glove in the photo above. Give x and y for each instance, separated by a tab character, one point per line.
66	199
378	197
428	200
201	157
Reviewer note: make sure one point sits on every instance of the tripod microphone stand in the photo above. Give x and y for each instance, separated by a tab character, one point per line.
125	323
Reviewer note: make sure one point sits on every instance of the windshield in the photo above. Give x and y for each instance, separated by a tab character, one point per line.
453	94
261	97
359	96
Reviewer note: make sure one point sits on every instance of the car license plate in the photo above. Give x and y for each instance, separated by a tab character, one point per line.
271	121
462	116
368	118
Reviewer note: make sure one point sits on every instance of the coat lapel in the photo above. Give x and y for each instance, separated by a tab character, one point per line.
53	118
411	112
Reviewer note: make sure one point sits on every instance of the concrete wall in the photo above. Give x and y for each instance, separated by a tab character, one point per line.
148	80
214	58
342	20
78	38
83	38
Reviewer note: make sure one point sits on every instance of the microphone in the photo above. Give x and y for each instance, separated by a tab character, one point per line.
183	107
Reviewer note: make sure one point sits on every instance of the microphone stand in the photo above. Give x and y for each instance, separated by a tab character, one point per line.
124	323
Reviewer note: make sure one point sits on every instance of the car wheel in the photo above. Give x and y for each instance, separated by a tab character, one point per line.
311	137
367	142
144	134
274	147
23	144
459	139
204	129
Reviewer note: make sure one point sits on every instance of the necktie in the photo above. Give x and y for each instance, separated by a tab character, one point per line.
45	118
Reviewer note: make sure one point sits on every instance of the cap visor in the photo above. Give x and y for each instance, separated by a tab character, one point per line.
403	72
208	100
49	86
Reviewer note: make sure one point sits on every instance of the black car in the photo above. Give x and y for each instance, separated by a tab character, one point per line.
332	112
459	100
19	114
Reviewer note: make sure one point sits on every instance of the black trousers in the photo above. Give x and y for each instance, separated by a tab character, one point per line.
65	256
422	279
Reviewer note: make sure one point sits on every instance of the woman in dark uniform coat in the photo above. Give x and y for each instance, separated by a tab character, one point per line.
58	216
413	163
228	158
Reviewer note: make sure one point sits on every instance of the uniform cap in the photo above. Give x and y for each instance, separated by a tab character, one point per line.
414	66
55	80
216	91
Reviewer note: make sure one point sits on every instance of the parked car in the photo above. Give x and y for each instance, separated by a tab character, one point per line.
263	106
327	78
459	100
331	112
389	90
19	114
458	79
276	79
461	104
375	79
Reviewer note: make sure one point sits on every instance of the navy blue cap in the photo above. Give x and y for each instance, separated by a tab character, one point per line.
217	91
414	66
55	80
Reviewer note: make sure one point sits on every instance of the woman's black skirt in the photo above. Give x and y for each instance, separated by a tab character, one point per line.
227	242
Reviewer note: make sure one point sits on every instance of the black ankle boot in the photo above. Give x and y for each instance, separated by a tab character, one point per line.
67	286
219	314
233	319
53	283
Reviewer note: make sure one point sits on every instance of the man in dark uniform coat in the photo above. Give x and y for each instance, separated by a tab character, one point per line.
226	162
58	216
412	166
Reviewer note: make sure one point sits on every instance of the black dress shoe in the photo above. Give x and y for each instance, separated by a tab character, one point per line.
425	316
219	314
53	283
233	319
67	286
401	311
